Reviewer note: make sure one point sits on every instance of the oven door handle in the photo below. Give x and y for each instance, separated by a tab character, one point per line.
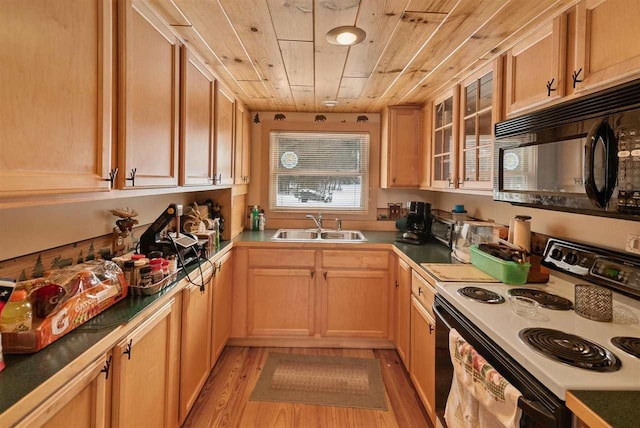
535	411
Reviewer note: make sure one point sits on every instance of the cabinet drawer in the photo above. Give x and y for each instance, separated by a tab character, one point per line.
423	292
265	257
355	259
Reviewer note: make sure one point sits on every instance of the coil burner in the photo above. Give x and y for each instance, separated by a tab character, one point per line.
630	345
570	349
481	295
546	300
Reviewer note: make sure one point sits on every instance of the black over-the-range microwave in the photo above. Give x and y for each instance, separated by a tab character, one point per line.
580	156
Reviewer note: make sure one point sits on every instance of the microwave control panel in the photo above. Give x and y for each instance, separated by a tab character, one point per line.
628	200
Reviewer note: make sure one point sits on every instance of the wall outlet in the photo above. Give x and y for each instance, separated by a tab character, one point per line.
633	243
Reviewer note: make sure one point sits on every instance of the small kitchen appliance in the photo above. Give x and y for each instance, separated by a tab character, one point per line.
157	238
442	225
418	227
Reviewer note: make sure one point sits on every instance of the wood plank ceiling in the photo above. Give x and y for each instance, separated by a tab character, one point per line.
274	56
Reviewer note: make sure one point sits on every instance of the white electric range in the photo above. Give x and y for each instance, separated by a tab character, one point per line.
615	369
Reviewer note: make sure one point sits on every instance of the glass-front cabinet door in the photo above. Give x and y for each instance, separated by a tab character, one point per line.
477	117
444	139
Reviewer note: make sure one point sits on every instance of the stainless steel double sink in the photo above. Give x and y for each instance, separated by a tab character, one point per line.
311	235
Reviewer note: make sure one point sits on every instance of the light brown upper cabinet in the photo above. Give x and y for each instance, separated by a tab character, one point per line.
197	100
445	135
401	151
607	48
536	68
56	91
225	106
479	111
242	145
148	104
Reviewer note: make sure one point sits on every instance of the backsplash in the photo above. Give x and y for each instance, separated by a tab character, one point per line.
36	264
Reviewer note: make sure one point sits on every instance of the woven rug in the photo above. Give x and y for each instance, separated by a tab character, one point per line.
321	380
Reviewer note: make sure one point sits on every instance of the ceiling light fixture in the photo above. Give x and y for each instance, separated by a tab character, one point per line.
329	103
346	35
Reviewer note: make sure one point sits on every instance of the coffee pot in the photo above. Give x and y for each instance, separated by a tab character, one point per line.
418	225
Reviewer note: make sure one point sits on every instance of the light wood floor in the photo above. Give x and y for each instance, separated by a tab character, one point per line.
224	400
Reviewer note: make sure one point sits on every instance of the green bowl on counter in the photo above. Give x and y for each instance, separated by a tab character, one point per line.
509	272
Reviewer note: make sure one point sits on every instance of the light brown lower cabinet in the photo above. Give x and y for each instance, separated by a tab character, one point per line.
422	364
134	384
403	311
194	342
145	376
221	307
280	302
355	303
84	400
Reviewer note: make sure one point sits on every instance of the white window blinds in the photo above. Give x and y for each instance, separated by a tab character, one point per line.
323	171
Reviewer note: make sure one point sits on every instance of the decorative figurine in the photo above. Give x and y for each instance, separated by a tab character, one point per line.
125	225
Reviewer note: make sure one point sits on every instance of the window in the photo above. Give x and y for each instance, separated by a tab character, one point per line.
328	171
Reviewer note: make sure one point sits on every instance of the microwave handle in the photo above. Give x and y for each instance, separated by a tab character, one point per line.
601	131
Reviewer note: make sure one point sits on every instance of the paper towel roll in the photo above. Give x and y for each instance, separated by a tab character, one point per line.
522	232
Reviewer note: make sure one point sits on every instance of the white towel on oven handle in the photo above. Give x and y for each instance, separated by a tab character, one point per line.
480	397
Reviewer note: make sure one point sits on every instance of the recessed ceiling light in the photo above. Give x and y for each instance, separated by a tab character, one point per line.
346	35
329	103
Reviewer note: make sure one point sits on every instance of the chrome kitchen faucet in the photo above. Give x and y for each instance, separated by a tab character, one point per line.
317	221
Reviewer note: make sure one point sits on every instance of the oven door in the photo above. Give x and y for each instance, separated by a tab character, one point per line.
540	407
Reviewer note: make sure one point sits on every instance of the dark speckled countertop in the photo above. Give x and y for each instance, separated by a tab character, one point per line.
24	373
617	408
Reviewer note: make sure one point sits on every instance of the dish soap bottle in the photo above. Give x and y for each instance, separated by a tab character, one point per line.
254	218
17	314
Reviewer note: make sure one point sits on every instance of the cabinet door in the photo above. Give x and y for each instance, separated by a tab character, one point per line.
56	92
222	290
281	302
355	303
535	68
84	400
607	47
148	89
403	147
224	136
194	342
445	139
145	387
403	313
242	145
479	107
423	348
196	116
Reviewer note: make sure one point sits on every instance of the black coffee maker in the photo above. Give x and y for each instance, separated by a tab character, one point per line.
418	227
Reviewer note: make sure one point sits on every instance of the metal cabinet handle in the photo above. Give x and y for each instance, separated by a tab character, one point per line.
549	87
106	367
324	274
112	177
575	76
132	177
397	285
419	291
431	328
127	349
